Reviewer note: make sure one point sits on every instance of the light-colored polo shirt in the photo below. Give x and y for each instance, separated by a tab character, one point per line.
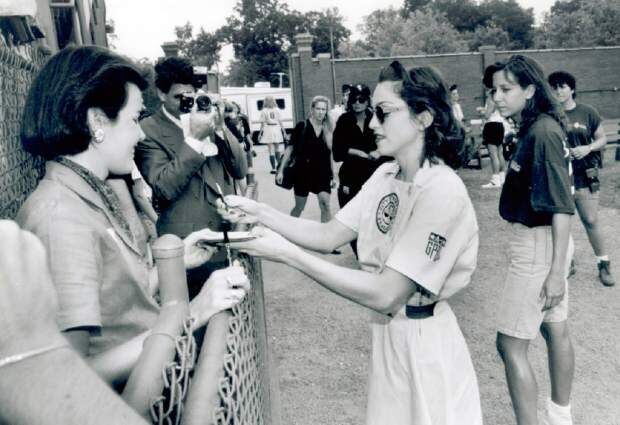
425	229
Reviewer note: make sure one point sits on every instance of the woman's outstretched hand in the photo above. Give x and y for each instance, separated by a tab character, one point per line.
224	289
238	209
267	244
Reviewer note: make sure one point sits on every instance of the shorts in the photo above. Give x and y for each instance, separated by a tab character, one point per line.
306	183
520	309
493	133
585	194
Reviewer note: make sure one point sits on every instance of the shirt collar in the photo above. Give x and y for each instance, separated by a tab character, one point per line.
172	118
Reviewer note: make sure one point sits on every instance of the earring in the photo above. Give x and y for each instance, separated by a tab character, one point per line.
99	135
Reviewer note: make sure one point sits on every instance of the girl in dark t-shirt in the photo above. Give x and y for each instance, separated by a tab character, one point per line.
537	200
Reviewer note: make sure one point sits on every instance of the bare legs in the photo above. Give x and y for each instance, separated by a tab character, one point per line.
323	197
520	376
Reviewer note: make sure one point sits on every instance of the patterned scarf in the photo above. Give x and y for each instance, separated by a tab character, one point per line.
109	197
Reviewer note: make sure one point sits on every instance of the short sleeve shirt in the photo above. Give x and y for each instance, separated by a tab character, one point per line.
270	116
101	282
425	229
583	121
538	181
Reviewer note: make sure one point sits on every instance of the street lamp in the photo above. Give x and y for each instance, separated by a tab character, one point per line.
280	75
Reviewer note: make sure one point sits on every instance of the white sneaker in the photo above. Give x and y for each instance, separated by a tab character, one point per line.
495	183
557	415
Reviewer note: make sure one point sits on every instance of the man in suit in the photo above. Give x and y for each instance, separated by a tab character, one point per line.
185	163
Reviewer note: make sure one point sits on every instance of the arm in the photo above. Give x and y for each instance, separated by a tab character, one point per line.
599	141
55	387
385	292
554	285
168	177
237	164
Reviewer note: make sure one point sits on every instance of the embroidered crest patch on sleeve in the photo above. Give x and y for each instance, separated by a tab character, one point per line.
386	212
434	245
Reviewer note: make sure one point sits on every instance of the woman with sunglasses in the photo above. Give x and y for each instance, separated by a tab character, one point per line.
354	145
417	244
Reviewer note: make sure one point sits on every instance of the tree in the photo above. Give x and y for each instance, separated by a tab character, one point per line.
202	50
580	23
510	16
355	49
319	23
381	30
411	6
489	35
261	32
428	31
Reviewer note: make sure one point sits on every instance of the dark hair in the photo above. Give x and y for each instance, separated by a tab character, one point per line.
345	87
169	71
453	87
423	89
559	78
356	91
72	81
528	72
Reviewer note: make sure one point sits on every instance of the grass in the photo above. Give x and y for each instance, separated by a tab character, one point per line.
320	342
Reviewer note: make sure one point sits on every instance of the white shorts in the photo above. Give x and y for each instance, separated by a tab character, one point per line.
421	372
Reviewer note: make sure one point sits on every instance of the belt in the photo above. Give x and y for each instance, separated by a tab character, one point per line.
420	312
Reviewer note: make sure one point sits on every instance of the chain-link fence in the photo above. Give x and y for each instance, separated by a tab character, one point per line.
242	390
19	171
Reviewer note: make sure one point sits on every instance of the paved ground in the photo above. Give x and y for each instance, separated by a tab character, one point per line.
320	342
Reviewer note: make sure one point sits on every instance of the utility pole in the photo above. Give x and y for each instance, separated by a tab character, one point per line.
331	42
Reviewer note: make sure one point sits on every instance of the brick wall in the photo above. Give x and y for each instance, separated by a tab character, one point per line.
597	71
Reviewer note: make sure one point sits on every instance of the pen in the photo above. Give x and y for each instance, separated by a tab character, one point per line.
225	227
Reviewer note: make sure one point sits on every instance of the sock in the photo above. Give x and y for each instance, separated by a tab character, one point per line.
602	258
272	159
558	415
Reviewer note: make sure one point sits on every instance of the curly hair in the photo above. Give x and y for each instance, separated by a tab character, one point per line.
169	71
423	89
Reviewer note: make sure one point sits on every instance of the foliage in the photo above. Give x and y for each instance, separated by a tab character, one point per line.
202	50
387	32
516	21
428	31
580	23
489	35
319	23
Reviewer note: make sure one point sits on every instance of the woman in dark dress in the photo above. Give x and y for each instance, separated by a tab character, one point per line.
354	145
311	143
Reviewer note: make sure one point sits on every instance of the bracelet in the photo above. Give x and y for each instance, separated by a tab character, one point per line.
32	353
173	339
171	303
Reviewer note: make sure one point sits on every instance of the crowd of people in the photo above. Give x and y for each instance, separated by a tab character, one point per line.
79	287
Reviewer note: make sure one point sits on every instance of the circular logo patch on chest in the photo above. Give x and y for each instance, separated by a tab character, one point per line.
386	212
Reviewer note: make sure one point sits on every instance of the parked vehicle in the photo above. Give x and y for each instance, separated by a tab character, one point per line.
251	101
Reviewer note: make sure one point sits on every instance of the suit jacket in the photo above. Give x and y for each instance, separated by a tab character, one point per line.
183	180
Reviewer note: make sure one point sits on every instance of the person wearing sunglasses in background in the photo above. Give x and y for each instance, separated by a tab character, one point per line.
354	145
184	166
417	244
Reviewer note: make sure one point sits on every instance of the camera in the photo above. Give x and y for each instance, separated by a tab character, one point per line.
185	103
203	103
593	182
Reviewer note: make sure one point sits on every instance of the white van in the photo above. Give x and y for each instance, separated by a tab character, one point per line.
251	101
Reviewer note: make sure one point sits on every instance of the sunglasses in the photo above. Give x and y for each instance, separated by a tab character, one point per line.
382	113
359	99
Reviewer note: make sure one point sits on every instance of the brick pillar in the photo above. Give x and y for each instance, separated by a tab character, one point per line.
170	48
488	58
304	61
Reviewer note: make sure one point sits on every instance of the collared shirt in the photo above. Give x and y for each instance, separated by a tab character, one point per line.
101	278
425	229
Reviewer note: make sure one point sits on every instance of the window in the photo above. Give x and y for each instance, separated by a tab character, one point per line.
280	103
